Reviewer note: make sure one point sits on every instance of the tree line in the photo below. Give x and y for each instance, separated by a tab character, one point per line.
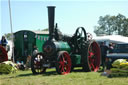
108	25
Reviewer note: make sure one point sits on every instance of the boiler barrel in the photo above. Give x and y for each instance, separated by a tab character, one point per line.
50	47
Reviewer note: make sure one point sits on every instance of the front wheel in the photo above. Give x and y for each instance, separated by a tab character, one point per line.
36	64
63	65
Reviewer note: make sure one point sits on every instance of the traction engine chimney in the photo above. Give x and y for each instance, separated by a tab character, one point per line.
51	15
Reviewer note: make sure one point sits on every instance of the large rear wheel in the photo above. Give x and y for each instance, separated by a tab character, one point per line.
63	65
37	64
91	57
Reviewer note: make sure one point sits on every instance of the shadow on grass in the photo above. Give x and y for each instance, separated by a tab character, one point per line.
47	73
53	72
44	74
15	76
50	73
23	75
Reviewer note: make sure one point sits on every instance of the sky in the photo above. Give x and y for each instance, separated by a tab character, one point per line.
69	14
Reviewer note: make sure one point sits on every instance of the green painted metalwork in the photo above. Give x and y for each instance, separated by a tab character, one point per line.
62	46
40	39
76	59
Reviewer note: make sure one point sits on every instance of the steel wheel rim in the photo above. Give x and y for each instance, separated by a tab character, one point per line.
38	64
94	57
64	63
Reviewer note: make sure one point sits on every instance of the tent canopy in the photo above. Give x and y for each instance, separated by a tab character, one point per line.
112	38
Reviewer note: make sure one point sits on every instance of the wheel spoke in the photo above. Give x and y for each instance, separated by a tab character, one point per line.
60	66
92	65
62	69
67	66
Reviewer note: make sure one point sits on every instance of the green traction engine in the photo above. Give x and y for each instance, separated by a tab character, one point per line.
65	52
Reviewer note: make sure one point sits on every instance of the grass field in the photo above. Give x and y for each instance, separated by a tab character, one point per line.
52	78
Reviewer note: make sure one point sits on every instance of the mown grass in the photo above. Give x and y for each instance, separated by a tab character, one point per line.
52	78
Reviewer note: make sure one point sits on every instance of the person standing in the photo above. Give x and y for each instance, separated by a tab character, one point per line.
104	50
35	50
3	42
111	48
28	62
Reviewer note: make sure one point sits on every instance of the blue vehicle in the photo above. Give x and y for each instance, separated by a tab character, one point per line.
120	52
121	48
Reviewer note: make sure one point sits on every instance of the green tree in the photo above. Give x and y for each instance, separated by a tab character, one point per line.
46	29
8	36
109	25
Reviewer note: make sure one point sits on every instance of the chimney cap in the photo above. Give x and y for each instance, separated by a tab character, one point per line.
51	6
